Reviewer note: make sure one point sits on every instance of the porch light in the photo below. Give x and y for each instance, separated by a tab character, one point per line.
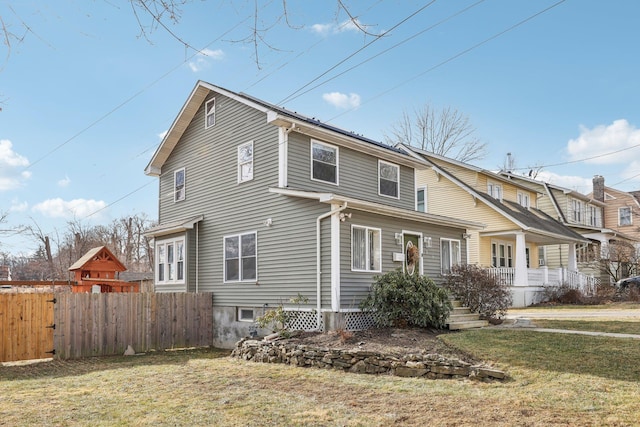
466	235
427	241
398	237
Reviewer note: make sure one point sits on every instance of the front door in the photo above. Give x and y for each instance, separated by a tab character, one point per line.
412	253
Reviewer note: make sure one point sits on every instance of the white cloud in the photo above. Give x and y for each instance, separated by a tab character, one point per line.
606	139
17	206
201	60
577	183
77	208
337	28
64	182
342	100
161	135
11	163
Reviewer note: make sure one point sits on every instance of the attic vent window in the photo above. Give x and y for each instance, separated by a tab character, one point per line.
210	113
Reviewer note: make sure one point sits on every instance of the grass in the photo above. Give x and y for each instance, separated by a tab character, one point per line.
554	380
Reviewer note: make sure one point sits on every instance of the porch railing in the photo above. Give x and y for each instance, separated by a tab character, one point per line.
549	277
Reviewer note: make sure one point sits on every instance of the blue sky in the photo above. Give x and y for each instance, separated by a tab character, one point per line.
85	98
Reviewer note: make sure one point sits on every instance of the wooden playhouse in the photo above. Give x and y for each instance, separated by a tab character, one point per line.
99	271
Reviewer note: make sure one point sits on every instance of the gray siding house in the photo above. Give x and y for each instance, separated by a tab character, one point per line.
258	204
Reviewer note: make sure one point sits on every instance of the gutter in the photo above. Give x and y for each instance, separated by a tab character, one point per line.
318	259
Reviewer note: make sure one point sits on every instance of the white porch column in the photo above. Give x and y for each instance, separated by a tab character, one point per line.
572	261
521	277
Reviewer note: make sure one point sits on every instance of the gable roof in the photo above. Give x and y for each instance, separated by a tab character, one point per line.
529	219
100	251
277	116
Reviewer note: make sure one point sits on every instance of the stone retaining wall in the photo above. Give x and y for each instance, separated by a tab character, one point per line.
432	366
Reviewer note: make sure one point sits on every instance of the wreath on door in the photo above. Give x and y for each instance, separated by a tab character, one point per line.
412	254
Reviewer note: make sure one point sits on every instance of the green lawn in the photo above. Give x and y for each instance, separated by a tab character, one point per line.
555	379
613	326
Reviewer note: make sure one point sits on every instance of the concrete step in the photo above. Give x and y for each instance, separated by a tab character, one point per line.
470	324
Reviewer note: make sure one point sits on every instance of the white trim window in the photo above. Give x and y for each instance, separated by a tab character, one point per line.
576	210
210	113
241	258
366	249
523	199
170	261
542	256
245	162
421	199
179	185
624	216
494	190
246	314
501	254
593	219
449	254
324	162
388	179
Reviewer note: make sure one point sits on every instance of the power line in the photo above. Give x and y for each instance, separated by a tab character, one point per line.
452	58
357	51
388	49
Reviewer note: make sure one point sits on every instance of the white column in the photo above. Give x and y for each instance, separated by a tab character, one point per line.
521	277
572	261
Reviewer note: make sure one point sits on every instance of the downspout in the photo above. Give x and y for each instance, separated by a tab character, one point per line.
318	260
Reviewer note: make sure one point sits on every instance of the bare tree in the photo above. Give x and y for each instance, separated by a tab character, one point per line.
619	259
445	132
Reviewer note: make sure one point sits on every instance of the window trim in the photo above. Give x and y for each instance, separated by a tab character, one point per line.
424	198
451	260
368	254
626	208
491	189
397	167
337	165
577	207
175	185
507	254
240	257
209	113
524	199
244	319
166	269
240	164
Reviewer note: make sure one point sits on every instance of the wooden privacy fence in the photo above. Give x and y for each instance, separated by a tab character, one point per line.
26	326
75	325
105	324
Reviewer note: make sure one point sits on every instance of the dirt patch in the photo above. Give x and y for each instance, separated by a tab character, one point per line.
396	341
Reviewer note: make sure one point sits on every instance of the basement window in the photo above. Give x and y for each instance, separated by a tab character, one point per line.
245	314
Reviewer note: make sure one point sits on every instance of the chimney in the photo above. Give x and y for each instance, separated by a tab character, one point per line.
598	188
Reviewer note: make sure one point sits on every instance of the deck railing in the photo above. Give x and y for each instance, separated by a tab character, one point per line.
548	277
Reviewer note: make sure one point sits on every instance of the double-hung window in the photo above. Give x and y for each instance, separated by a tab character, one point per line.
576	207
179	192
245	162
170	261
241	258
388	179
421	199
449	254
324	162
494	190
624	216
501	255
523	199
365	249
210	113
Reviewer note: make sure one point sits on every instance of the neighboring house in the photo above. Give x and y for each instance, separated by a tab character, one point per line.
622	215
581	213
258	204
515	229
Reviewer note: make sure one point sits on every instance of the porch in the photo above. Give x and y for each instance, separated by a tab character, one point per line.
544	276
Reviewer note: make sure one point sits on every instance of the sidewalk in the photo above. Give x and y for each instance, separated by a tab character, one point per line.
526	323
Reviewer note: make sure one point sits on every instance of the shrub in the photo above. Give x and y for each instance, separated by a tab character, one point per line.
399	299
477	289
